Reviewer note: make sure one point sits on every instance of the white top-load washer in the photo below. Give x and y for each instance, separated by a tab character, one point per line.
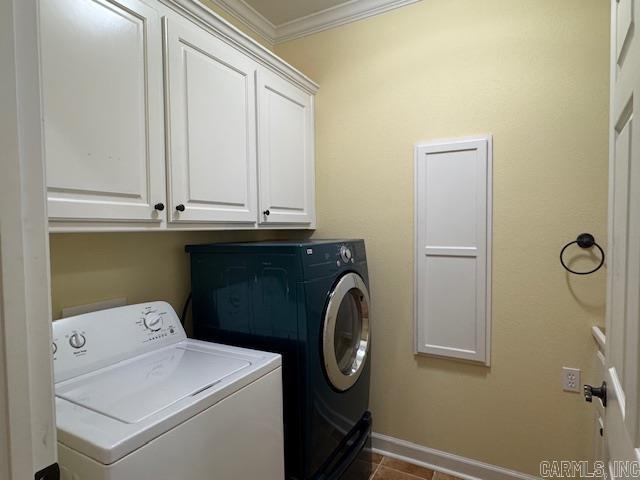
136	399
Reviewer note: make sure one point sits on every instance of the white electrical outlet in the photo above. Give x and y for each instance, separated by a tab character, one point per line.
571	379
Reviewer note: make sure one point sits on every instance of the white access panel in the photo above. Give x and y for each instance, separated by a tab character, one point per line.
453	248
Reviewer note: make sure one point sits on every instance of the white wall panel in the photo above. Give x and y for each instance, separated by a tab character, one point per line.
453	252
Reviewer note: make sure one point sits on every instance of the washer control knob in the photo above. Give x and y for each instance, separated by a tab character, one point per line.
153	321
345	254
77	340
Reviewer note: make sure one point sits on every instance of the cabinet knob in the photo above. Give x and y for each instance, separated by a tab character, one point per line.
159	206
180	208
266	213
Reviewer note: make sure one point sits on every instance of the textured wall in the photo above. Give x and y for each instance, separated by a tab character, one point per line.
535	74
89	267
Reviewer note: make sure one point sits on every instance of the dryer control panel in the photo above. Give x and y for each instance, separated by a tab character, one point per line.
95	340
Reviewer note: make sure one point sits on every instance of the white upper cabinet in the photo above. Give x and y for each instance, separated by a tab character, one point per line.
103	113
285	152
128	84
212	128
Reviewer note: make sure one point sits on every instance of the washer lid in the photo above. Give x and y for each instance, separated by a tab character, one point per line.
135	390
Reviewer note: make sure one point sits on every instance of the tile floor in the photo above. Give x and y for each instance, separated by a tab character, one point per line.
386	468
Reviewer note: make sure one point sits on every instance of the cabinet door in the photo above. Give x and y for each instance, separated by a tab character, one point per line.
103	113
285	152
212	157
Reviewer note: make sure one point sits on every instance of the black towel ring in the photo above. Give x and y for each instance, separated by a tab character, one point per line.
584	240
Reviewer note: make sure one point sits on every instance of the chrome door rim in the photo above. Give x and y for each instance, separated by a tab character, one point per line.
344	381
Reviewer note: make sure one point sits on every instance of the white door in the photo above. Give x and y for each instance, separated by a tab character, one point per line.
103	113
622	437
285	152
27	420
212	156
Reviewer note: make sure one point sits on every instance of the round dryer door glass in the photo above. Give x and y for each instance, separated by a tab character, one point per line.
345	341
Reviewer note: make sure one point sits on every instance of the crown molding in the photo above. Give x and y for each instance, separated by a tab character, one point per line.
250	17
202	15
348	12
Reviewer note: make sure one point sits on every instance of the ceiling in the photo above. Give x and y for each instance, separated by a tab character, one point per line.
281	20
283	11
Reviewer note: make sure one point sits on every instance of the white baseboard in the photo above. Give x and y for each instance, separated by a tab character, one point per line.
444	462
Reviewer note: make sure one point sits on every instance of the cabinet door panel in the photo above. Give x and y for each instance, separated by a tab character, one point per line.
212	128
102	104
285	139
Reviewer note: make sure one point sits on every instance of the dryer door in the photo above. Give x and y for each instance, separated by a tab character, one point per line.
345	336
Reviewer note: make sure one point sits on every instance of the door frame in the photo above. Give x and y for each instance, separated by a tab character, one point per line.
27	416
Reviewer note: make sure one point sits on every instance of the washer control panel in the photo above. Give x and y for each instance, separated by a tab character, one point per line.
77	340
152	321
86	342
156	323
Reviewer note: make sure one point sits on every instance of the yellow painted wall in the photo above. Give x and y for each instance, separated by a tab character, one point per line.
90	267
535	74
